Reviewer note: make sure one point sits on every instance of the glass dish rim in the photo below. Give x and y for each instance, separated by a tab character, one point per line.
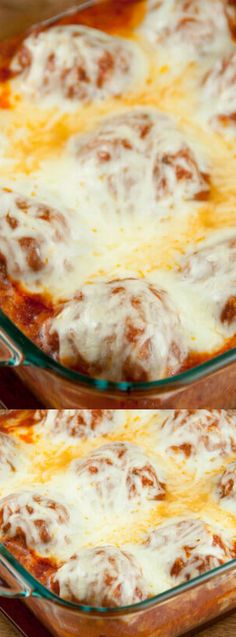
39	591
36	357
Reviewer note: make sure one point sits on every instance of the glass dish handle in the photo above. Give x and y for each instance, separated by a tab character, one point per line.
17	586
10	354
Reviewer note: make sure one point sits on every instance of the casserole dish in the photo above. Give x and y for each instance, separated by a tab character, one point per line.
208	383
200	600
168	614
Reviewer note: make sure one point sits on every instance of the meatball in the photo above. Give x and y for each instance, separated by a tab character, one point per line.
199	434
29	232
77	64
226	488
214	260
80	423
140	161
103	576
213	267
118	475
219	94
36	521
189	547
121	330
189	26
9	456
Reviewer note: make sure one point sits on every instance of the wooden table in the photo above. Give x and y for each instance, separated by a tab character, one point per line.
223	628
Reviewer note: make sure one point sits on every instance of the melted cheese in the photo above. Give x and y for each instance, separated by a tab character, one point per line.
70	64
168	543
140	322
188	29
117	476
104	576
218	97
200	438
45	524
226	488
121	222
212	269
90	497
30	234
74	423
10	458
135	160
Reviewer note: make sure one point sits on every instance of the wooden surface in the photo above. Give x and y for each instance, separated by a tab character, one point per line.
223	628
6	630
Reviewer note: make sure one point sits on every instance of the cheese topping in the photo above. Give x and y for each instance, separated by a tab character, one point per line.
187	548
120	330
200	437
105	576
142	164
9	456
226	488
118	476
76	64
125	141
219	95
125	514
191	27
42	523
75	423
213	269
30	234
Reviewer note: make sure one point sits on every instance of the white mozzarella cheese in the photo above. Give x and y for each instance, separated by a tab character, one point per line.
69	65
131	496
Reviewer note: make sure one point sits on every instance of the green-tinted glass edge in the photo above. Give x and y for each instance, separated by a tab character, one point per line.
39	591
34	356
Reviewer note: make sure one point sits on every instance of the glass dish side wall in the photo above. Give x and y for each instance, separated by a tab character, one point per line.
218	391
171	615
211	385
197	607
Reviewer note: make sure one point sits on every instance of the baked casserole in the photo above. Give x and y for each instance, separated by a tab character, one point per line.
117	193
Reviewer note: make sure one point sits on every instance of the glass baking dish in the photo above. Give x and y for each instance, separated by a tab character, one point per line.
211	384
169	614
